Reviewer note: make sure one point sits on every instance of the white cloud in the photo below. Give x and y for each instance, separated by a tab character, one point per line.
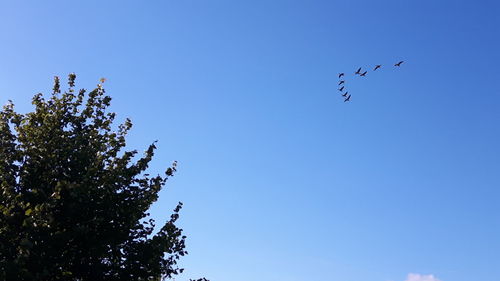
418	277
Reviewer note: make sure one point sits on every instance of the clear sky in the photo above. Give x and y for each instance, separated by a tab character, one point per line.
280	179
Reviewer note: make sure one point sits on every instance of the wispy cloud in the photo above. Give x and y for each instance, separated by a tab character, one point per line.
419	277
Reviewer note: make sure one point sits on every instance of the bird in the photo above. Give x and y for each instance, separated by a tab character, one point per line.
341	89
363	74
399	63
348	98
358	71
345	95
341	74
377	67
341	82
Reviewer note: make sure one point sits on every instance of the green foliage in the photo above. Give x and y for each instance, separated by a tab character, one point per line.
73	201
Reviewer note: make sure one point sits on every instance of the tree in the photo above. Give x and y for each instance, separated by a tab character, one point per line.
73	201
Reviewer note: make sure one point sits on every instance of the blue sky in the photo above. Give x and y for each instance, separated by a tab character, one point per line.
280	179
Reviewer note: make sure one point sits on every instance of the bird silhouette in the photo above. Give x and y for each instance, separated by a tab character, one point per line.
399	63
345	94
341	89
377	67
341	82
358	71
341	74
363	74
348	98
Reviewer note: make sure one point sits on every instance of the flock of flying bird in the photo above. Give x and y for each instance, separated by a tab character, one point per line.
361	73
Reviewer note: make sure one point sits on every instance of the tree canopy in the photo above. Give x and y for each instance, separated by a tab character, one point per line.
74	201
